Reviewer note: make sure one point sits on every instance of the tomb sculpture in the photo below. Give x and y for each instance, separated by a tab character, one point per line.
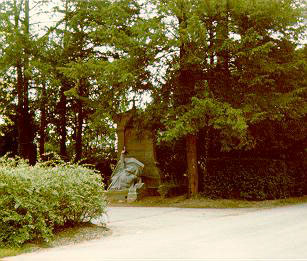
127	174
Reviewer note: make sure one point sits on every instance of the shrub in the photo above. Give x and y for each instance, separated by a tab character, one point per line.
34	201
297	168
252	179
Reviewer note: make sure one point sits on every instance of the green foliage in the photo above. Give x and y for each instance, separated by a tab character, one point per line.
252	179
232	67
172	169
243	54
209	112
36	200
298	170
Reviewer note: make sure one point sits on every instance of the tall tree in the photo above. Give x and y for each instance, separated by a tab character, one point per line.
219	64
16	25
108	62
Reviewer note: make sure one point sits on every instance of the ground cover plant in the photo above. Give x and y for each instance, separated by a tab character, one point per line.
36	200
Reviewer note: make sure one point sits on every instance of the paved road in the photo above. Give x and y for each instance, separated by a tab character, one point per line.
186	234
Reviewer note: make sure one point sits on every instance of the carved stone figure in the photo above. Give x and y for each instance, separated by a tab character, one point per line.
141	145
127	173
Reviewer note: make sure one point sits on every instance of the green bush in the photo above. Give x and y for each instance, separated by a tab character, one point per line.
297	168
252	179
34	201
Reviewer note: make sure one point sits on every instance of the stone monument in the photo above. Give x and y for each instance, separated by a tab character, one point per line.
139	150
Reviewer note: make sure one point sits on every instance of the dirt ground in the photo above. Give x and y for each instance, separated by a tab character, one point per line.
140	233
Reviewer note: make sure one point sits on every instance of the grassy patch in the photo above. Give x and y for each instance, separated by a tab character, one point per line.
72	235
4	252
201	202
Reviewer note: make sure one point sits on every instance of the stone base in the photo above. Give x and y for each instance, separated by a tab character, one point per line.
132	196
135	192
117	195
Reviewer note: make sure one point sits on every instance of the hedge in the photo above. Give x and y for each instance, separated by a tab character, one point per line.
34	201
252	179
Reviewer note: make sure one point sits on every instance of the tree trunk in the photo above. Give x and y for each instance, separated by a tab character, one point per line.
20	111
62	106
43	123
19	88
80	118
211	42
222	34
26	147
78	148
205	155
185	91
63	122
191	149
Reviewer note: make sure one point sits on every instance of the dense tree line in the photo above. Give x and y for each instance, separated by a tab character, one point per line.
229	70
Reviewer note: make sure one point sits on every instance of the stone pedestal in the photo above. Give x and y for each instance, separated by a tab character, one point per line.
126	195
117	195
132	196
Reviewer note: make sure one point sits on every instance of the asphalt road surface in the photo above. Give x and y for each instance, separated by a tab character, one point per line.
191	234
